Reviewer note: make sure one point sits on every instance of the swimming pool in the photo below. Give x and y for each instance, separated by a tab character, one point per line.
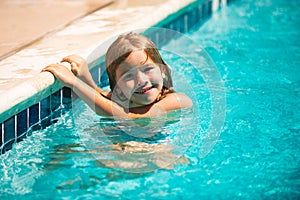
255	157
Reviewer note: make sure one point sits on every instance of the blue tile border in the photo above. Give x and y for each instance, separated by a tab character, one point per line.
34	114
46	112
22	124
37	116
9	134
2	135
66	94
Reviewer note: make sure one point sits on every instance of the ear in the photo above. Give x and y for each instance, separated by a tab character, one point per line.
163	74
164	70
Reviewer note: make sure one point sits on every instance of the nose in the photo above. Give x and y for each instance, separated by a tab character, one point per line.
141	78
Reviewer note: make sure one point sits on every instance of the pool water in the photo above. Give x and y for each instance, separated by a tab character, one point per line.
256	50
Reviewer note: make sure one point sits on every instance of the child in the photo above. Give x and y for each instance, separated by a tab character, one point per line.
140	81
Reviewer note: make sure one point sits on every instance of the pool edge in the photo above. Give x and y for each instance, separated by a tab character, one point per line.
44	84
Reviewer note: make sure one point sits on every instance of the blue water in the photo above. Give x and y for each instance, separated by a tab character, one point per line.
256	50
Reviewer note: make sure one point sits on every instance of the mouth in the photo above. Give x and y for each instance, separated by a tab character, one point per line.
144	90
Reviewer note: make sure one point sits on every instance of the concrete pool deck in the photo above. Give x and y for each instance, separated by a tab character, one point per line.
23	22
20	76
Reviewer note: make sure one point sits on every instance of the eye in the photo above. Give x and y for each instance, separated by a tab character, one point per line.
148	68
127	76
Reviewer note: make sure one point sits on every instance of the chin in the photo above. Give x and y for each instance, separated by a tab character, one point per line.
144	102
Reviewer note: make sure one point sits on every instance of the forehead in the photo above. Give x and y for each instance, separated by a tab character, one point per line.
135	59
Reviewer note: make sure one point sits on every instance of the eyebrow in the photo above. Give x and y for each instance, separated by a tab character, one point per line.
123	72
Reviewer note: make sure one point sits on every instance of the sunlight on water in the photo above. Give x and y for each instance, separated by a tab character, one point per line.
256	155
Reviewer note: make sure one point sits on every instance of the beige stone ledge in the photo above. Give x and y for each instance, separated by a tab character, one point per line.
20	77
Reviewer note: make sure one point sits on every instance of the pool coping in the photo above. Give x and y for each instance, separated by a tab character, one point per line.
26	85
25	99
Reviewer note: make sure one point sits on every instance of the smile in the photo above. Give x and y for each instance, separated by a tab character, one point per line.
144	90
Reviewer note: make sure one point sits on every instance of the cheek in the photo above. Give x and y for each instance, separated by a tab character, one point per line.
157	77
157	74
126	86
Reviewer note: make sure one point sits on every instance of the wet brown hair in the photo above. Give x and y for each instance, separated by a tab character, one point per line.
123	46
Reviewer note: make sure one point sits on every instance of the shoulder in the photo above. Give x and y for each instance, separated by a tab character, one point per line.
172	101
175	100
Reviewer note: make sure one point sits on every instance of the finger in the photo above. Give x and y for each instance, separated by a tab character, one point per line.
48	69
65	59
51	68
66	64
74	68
70	58
44	70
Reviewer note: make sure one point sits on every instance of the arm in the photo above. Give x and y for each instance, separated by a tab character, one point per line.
95	100
102	105
80	68
172	101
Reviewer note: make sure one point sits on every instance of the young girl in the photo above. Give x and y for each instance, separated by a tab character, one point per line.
140	81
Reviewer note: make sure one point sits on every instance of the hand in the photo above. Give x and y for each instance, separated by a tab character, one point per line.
78	65
80	68
62	73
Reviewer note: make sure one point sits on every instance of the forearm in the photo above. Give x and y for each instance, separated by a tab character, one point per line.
96	101
88	79
105	107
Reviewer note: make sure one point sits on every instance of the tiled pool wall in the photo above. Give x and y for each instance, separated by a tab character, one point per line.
49	109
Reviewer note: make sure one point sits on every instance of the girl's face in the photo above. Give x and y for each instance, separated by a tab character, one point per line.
139	79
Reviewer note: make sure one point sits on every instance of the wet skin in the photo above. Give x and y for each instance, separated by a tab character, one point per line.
139	79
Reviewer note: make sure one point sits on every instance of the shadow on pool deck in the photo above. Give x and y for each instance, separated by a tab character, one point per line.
26	21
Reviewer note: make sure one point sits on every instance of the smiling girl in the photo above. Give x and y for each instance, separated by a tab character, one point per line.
140	80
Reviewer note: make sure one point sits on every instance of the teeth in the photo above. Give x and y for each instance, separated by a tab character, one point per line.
143	91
